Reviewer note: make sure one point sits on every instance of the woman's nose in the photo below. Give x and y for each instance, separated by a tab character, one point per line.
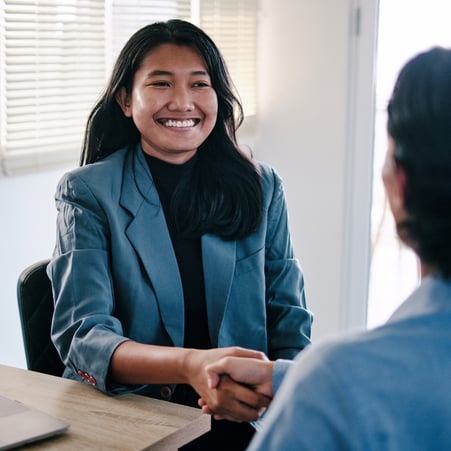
181	100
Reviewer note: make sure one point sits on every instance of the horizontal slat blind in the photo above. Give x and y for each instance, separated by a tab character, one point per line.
53	71
55	56
233	25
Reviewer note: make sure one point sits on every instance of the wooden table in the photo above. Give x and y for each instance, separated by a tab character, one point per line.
100	422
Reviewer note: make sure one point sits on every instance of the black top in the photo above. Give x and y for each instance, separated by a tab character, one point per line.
187	251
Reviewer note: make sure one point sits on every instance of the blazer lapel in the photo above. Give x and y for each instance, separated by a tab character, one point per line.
219	265
149	236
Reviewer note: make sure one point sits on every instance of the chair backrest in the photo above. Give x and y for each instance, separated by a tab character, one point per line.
34	295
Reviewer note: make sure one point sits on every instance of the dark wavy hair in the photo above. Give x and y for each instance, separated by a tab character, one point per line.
419	120
225	194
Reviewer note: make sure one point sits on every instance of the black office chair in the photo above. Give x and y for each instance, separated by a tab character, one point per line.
34	295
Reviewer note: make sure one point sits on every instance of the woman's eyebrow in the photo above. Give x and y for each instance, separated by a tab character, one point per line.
159	73
200	72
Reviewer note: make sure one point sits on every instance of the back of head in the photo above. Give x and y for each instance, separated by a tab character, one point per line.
419	120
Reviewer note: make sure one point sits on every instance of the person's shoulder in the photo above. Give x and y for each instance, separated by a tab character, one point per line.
265	169
102	170
102	176
368	354
269	175
108	166
344	350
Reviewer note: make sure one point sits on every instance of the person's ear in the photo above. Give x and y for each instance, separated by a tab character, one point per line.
399	193
123	99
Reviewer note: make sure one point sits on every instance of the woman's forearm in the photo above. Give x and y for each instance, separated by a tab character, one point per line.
137	363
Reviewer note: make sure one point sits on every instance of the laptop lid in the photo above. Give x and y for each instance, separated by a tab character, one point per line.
20	424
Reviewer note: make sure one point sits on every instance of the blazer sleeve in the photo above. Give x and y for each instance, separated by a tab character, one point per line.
288	320
84	330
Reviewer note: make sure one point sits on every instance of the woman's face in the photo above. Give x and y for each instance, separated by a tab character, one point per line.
172	103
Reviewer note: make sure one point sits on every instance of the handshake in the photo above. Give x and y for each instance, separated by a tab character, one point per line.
239	387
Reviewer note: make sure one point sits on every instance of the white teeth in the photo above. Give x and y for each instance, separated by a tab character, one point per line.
187	123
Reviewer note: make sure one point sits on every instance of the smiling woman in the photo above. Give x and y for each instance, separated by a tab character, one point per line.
173	248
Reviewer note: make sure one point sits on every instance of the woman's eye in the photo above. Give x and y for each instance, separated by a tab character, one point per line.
201	84
160	83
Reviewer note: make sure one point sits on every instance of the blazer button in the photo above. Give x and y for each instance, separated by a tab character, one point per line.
165	392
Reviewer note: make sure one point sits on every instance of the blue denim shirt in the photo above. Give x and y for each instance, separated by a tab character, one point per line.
387	389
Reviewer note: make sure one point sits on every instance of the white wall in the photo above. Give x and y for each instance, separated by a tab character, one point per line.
27	234
301	130
306	60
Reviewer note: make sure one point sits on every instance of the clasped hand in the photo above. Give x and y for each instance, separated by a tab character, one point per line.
238	385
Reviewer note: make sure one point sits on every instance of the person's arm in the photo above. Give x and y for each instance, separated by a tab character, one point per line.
318	406
136	363
288	319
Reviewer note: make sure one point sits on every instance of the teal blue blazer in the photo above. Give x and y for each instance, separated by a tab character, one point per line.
115	276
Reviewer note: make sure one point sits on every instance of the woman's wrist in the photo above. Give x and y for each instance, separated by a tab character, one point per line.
189	365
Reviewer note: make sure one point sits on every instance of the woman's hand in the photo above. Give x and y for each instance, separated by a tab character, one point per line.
224	397
256	374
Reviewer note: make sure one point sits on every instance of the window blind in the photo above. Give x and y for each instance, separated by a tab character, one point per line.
52	71
233	25
55	56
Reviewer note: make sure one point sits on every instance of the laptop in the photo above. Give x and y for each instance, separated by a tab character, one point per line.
20	424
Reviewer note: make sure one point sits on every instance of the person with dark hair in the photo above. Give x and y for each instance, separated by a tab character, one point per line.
388	388
173	248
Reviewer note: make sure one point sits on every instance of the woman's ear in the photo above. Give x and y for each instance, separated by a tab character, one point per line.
123	99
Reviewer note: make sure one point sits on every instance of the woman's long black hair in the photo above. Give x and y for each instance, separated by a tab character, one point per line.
223	194
419	120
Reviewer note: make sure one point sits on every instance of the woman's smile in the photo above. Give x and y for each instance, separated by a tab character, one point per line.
179	123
